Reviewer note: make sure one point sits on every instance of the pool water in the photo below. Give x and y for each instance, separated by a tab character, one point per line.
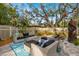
19	50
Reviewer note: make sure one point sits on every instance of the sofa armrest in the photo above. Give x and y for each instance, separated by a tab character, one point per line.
39	51
35	50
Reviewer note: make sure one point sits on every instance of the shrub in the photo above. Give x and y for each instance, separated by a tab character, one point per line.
41	33
48	33
76	42
63	34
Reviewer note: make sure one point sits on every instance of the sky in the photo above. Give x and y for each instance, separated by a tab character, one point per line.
25	5
22	6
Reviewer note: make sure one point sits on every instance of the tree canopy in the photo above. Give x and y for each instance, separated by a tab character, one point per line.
50	14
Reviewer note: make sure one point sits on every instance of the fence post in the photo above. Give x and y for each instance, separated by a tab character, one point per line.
10	31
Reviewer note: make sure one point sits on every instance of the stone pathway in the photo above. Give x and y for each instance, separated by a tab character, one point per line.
71	49
6	51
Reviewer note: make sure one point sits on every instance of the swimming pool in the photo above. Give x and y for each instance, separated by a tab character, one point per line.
19	50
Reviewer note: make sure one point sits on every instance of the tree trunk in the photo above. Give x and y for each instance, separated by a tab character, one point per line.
72	30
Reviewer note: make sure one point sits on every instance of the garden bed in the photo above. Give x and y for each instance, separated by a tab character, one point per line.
5	41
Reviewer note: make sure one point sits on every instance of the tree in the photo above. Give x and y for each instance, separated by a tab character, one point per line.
6	13
72	34
41	14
